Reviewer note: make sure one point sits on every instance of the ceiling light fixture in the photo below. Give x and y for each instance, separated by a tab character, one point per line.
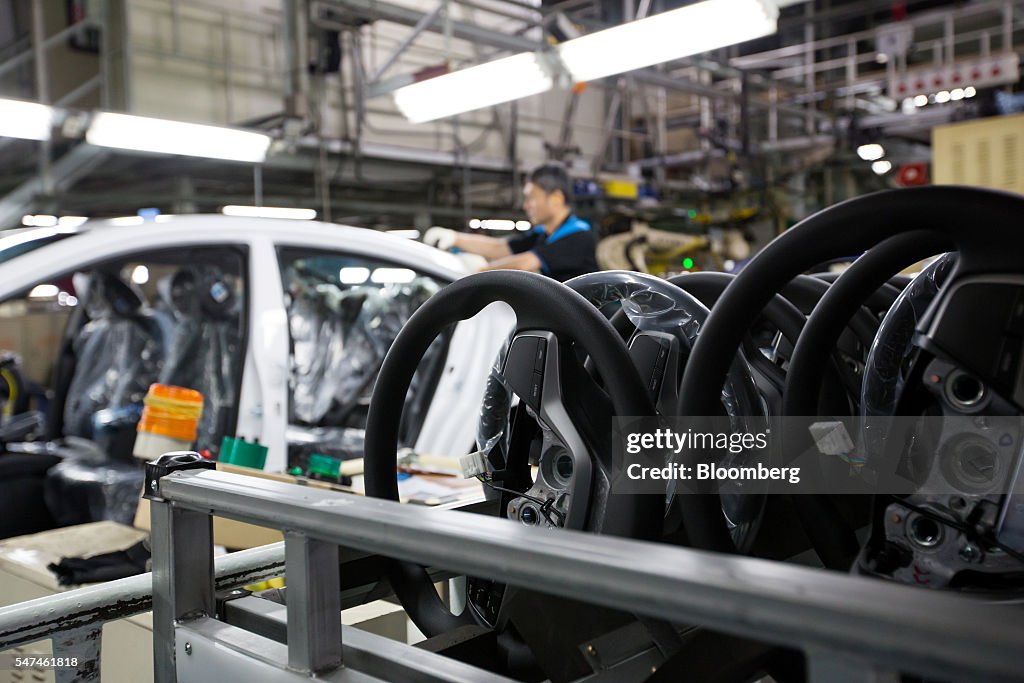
353	275
145	134
269	212
409	234
881	167
386	276
667	36
39	221
26	120
484	85
871	152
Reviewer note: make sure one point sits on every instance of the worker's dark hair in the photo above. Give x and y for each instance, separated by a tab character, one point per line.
553	176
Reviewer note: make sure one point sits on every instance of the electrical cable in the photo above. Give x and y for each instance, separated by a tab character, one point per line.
546	506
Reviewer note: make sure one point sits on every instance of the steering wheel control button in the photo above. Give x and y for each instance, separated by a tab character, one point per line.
533	400
650	355
519	366
542	352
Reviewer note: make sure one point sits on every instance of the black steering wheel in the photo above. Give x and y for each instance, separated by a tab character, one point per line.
972	220
543	368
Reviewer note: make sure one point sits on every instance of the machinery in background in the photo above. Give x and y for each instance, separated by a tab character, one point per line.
667	244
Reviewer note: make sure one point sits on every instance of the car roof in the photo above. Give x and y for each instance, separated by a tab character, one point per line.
95	238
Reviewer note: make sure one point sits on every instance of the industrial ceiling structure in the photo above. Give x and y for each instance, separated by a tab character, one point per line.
781	114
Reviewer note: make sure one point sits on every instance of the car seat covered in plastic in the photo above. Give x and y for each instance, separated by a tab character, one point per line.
118	354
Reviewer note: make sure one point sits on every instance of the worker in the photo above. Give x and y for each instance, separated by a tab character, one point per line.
560	245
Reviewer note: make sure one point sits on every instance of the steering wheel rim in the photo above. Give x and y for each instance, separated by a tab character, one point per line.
843	300
539	304
971	218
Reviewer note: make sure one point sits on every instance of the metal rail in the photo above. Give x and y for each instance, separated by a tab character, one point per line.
77	616
851	628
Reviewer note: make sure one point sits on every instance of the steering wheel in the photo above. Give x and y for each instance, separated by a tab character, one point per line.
659	323
542	367
973	220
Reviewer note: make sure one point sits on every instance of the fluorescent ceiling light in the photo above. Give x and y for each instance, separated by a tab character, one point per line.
667	36
26	120
353	275
523	225
881	167
44	292
969	91
872	152
475	223
385	276
127	221
405	234
140	275
956	94
942	96
39	221
920	100
499	224
501	80
269	212
71	221
145	134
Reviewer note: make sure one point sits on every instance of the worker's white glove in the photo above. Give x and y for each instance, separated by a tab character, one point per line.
474	262
442	238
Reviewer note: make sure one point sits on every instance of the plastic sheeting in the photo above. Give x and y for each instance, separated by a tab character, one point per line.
340	337
91	488
203	314
892	351
118	354
343	443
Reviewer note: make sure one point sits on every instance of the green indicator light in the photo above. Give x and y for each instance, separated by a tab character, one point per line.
687	263
693	213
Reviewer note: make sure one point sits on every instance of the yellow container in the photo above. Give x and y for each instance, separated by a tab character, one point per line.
169	420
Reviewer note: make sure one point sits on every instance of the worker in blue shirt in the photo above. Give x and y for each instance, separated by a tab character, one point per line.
560	245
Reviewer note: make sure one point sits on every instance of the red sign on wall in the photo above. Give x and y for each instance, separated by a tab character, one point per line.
911	175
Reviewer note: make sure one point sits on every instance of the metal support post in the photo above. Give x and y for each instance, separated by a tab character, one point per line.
314	603
296	58
809	68
42	90
83	645
182	545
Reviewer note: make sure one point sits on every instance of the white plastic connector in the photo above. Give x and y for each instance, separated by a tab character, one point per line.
473	464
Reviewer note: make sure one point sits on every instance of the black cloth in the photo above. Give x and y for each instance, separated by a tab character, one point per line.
569	251
72	571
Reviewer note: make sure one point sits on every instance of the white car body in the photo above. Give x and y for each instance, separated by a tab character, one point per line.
450	423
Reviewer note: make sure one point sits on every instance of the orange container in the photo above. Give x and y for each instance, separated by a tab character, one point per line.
172	412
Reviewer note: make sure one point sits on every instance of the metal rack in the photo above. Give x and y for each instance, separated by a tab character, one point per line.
849	628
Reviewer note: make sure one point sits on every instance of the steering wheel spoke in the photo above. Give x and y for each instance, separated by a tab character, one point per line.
560	494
